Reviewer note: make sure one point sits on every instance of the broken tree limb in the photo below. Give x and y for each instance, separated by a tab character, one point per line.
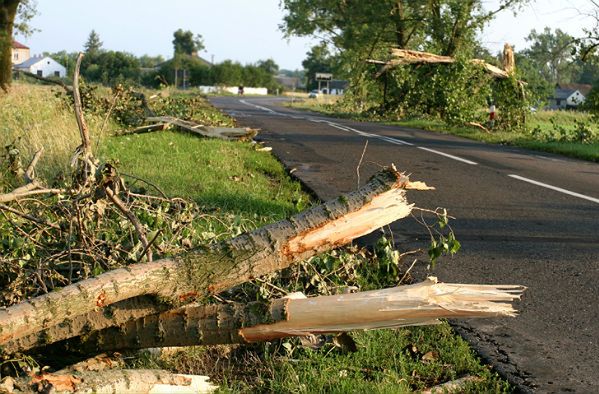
134	381
207	271
28	190
226	133
419	304
116	314
145	129
405	56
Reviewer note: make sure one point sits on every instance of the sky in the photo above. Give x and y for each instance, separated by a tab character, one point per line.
241	30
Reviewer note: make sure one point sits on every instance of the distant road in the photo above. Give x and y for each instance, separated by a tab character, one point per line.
523	217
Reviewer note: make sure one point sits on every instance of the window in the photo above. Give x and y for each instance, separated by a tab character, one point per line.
39	73
16	56
57	74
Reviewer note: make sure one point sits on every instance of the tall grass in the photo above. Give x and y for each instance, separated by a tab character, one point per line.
32	117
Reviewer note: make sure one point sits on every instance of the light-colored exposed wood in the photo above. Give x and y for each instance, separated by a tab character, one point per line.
418	304
132	381
405	56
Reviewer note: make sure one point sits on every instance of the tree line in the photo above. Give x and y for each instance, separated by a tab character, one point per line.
184	69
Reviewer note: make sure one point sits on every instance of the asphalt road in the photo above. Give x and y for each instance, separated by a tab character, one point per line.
523	217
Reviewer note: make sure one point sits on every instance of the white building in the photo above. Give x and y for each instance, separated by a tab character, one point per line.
43	66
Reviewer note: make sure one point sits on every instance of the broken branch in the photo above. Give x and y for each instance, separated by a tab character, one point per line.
222	266
420	304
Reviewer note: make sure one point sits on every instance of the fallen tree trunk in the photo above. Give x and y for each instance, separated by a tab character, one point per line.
405	56
134	381
420	304
207	271
225	133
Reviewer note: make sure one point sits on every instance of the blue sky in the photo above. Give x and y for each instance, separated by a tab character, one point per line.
242	30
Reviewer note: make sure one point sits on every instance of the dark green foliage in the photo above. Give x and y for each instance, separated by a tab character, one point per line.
110	68
185	43
93	44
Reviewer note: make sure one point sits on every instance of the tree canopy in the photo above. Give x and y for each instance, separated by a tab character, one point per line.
185	43
93	43
441	26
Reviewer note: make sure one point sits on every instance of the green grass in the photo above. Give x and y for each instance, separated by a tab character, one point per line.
229	176
387	361
523	139
35	118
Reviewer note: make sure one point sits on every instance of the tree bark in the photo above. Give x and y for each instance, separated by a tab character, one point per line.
207	271
420	304
8	12
225	133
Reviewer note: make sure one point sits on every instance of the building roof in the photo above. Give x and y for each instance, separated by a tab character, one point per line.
33	60
584	89
17	45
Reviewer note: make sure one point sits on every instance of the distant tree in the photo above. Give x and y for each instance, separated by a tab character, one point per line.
589	43
228	73
93	44
14	15
112	67
269	66
552	53
185	43
319	60
150	61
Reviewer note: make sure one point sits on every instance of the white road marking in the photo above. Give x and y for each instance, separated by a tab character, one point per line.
391	140
448	155
557	189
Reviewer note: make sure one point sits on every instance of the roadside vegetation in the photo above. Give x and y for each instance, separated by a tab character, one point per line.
228	187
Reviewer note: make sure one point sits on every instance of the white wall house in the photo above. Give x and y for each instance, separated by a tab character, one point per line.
43	67
569	96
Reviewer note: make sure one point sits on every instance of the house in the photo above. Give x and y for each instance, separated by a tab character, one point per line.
569	95
43	66
19	52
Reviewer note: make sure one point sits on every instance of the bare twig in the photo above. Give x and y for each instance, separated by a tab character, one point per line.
480	126
30	172
146	182
360	162
29	189
83	129
141	234
28	217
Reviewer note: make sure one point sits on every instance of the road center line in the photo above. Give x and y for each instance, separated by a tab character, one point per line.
448	155
557	189
391	140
